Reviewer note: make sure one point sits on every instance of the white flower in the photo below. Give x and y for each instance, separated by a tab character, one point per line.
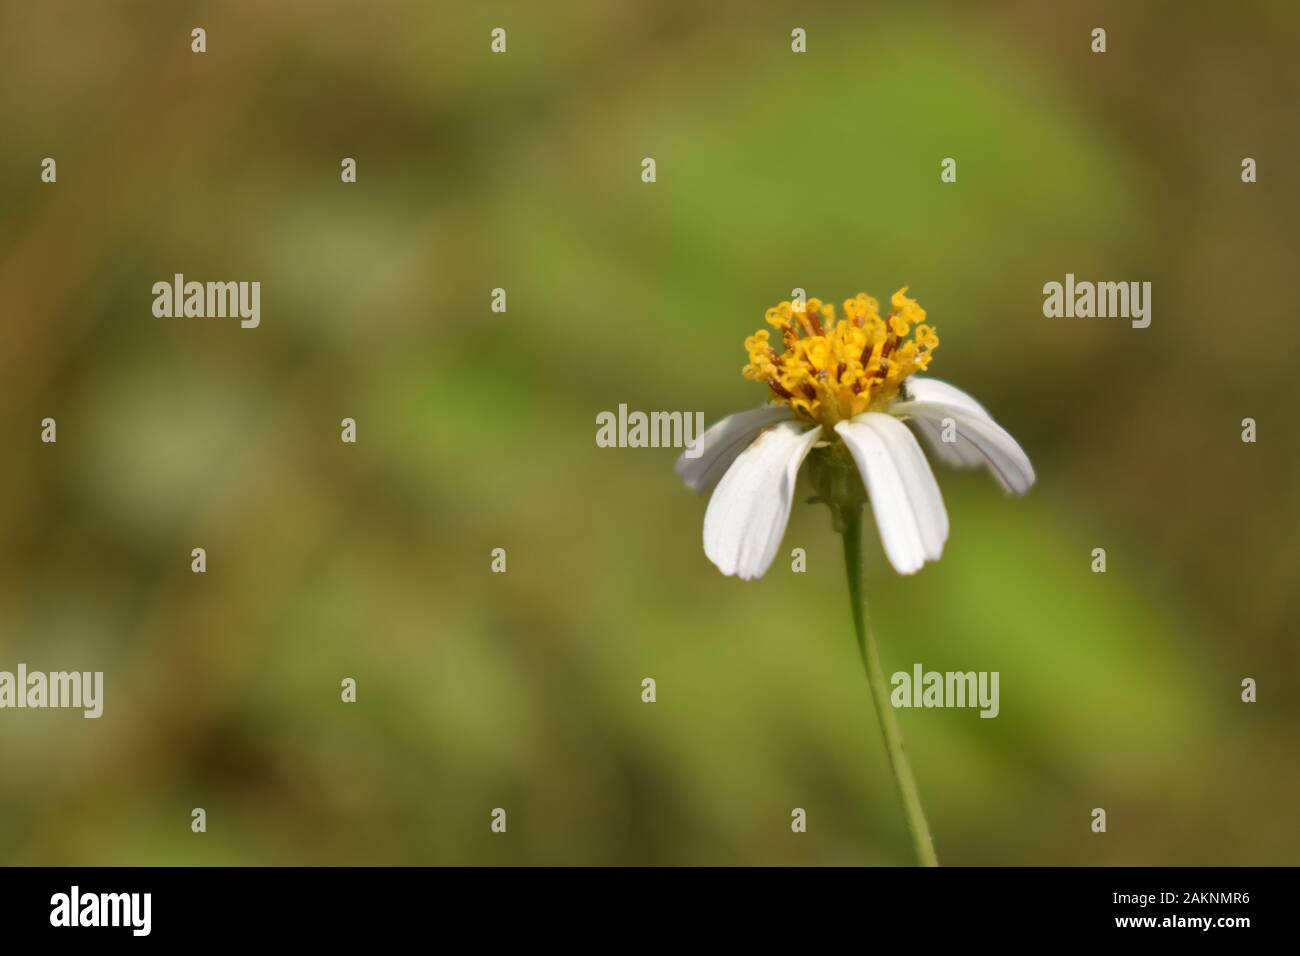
751	459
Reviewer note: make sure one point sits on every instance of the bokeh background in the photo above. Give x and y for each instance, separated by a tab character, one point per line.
476	430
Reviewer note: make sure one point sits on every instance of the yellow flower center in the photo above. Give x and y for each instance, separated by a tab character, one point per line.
832	369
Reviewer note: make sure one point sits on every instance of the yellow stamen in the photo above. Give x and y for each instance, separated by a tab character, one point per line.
832	369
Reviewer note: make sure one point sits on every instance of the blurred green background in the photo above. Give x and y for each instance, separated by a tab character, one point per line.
476	430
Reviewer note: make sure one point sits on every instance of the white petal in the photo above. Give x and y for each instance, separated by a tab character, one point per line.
918	389
905	498
747	514
1005	458
958	453
721	443
922	489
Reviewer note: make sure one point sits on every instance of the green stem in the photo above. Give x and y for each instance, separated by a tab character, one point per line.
851	522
